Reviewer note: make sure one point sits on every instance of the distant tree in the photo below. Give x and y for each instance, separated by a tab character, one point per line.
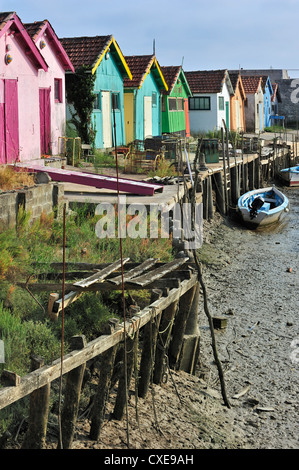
80	94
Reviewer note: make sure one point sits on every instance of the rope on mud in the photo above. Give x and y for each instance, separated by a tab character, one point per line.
214	345
206	308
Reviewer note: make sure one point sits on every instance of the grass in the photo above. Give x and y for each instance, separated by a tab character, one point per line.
29	250
11	179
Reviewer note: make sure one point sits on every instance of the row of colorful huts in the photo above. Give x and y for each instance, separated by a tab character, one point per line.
148	99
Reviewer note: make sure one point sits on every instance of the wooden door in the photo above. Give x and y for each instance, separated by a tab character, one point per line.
187	122
106	113
45	120
10	126
148	125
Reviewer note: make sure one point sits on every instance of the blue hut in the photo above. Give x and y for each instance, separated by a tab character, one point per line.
103	57
142	98
268	93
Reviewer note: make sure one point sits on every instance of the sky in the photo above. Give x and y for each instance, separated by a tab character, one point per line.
198	34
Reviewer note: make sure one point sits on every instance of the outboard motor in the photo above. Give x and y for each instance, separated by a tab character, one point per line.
257	203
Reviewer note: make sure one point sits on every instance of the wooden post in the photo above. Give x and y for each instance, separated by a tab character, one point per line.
72	397
102	393
35	437
163	340
235	185
131	344
220	196
150	333
180	326
251	175
190	348
224	173
209	198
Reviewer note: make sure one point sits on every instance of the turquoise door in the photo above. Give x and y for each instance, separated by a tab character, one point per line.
227	113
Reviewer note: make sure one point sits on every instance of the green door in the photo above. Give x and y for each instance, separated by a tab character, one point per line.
227	113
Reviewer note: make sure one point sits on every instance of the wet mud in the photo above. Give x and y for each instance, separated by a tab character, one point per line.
252	278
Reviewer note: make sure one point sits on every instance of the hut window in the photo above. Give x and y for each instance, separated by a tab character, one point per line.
163	104
202	103
180	104
172	104
154	99
221	103
97	102
115	101
58	90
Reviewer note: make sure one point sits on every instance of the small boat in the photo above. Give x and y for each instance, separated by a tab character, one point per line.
263	206
290	175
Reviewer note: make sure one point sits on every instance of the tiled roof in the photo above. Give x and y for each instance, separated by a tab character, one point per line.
171	73
139	66
206	81
85	50
251	83
4	17
234	77
34	28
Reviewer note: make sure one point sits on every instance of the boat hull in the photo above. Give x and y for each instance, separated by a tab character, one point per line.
290	175
265	215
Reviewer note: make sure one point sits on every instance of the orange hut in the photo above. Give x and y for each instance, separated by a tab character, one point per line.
237	103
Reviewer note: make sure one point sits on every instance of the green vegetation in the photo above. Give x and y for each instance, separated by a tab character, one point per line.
29	251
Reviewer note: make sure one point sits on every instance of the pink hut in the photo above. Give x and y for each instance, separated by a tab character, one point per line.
32	108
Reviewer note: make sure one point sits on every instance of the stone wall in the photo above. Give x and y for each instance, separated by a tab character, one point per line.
35	200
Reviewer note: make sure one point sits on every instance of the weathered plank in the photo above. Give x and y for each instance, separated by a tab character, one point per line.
148	278
47	374
134	272
100	286
99	276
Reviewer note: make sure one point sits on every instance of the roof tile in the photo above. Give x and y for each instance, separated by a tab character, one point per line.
206	81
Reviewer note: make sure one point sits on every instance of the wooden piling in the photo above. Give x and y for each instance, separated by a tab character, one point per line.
72	397
122	393
235	189
220	196
251	175
35	437
180	326
163	341
150	334
210	211
102	393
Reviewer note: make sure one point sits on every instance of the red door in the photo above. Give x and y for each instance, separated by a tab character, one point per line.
9	126
45	120
187	117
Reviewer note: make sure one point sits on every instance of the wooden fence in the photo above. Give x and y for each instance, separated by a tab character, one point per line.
173	286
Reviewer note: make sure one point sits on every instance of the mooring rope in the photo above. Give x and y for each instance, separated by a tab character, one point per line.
122	274
62	330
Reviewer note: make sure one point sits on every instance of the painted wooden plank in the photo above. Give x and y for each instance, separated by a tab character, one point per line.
97	181
134	272
158	273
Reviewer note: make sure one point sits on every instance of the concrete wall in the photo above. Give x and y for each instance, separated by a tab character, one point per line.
37	199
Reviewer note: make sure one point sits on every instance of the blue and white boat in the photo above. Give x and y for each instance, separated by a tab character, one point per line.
263	206
290	175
